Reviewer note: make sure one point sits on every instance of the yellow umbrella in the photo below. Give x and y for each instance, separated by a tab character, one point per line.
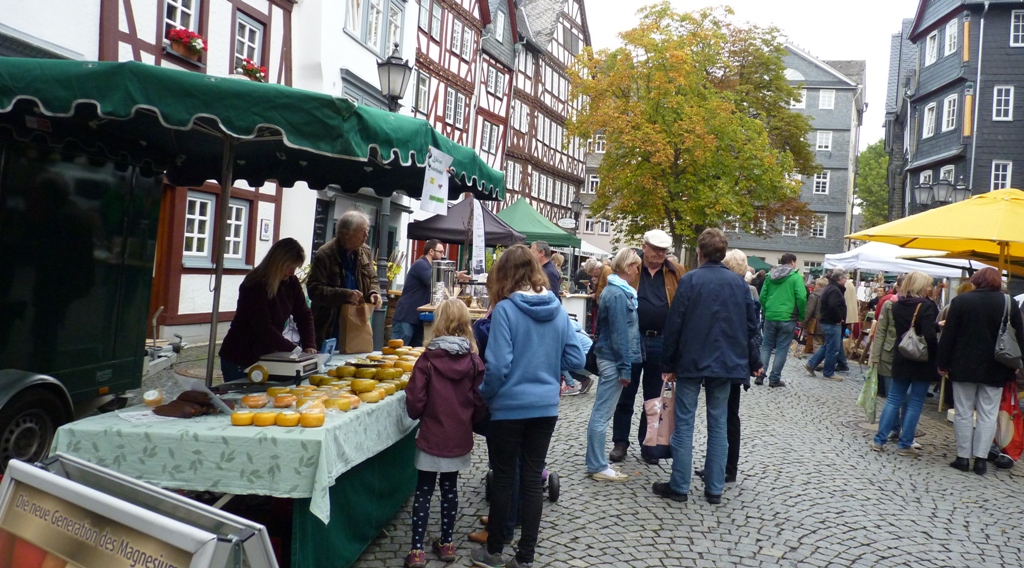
1015	265
991	224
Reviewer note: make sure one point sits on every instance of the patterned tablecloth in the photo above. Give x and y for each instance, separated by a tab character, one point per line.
209	454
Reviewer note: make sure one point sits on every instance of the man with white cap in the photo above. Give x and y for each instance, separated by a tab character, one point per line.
655	289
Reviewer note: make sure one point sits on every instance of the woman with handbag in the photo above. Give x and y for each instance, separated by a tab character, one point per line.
883	349
968	351
617	348
913	362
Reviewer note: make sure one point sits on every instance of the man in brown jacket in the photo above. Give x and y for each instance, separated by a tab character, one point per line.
342	273
655	290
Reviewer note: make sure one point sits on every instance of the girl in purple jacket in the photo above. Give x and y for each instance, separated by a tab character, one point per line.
444	394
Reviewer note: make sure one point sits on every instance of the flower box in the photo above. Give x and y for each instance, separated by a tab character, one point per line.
187	43
180	49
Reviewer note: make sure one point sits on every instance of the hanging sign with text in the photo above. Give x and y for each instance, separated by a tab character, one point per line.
435	183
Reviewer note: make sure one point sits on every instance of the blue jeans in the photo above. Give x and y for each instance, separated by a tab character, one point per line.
829	351
777	335
717	395
901	413
411	334
608	390
232	371
915	402
569	380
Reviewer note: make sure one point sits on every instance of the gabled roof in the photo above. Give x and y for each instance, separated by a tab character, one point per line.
919	23
803	54
542	19
902	54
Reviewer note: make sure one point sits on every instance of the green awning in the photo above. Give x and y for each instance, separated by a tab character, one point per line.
758	264
522	217
178	121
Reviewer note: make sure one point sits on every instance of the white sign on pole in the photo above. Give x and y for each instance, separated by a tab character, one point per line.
435	182
479	263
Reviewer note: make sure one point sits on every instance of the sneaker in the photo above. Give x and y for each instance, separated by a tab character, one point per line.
664	490
842	369
877	447
570	391
480	557
618	453
416	559
513	563
911	451
759	381
602	476
835	378
444	552
585	385
777	384
893	436
915	445
809	369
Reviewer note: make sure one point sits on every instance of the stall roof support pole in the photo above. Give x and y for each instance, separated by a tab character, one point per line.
220	242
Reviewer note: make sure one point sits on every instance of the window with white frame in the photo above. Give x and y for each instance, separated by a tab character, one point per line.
422	91
811	265
588	225
535	184
499	27
1017	29
435	21
449	105
931	49
558	192
824	141
425	15
952	36
394	36
925	177
593	182
1001	172
374	20
949	113
495	82
198	224
827	99
489	138
818	229
1002	103
821	181
947	173
354	15
599	143
234	236
604	227
929	121
248	40
181	14
467	43
377	24
801	101
460	110
456	36
790	227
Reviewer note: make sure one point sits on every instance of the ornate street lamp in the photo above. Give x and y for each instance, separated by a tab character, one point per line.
577	209
394	73
943	191
960	192
923	195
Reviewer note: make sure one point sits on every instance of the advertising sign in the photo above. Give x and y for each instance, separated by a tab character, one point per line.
435	182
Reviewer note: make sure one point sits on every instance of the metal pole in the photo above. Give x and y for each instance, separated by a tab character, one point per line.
379	315
218	252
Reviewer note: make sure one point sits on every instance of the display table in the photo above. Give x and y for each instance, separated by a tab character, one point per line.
371	448
576	306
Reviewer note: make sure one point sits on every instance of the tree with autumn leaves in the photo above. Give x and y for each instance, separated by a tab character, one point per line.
695	110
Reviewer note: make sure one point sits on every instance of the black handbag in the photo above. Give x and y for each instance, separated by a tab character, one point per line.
591	365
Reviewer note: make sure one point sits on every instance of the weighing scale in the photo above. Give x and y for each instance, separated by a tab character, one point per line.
275	369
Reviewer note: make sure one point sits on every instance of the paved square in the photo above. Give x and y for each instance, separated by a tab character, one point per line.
810	493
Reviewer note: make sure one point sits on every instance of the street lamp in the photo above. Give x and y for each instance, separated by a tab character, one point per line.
923	195
577	209
960	192
943	191
394	73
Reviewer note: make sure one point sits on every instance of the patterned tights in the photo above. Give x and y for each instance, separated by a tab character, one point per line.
421	506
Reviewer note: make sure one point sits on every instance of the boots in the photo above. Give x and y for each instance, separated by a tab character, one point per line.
963	464
618	453
980	466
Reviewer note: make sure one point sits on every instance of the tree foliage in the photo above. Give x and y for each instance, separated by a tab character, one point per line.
696	113
871	188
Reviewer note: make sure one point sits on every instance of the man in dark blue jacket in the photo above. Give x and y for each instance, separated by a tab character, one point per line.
406	324
709	334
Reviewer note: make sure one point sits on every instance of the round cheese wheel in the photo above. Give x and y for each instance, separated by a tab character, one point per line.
343	404
370	397
387	350
255	400
242	418
265	418
287	418
404	365
298	391
374	357
284	400
363	385
390	357
153	398
274	391
389	388
395	343
355	400
311	419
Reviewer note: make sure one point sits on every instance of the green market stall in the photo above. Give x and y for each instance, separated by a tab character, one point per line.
522	217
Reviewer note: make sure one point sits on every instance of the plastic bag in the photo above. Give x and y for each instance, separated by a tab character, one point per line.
868	398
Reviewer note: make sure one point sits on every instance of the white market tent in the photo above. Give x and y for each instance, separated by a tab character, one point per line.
588	249
883	257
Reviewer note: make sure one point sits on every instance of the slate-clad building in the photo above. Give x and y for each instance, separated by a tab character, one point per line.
902	73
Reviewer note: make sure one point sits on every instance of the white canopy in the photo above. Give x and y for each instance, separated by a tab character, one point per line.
587	249
883	257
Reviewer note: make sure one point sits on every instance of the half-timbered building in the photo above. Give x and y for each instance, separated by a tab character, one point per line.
542	163
494	87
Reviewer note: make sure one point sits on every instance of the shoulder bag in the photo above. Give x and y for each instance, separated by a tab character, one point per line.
913	346
1007	350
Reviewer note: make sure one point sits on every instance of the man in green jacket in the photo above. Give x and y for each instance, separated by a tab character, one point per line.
783	300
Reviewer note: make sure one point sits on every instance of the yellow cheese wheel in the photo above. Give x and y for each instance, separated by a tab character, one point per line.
284	400
287	418
255	400
345	371
265	418
387	351
274	391
408	358
403	351
363	385
153	398
343	403
355	400
373	357
317	380
312	418
394	343
298	391
387	364
404	365
390	357
366	373
242	418
383	393
371	397
389	388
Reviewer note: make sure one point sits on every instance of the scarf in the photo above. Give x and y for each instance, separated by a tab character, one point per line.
615	280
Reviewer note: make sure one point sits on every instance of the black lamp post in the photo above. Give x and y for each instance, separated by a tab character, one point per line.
577	209
960	192
923	195
394	73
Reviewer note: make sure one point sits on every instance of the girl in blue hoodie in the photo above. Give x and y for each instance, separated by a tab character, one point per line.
531	340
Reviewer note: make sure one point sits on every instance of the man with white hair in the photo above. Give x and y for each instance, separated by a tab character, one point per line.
342	273
656	287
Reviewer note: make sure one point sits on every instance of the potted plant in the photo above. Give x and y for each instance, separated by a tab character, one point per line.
187	43
252	71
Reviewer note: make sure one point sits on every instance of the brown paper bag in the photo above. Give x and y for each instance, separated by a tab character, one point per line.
356	334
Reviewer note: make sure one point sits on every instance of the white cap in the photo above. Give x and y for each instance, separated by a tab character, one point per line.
658	238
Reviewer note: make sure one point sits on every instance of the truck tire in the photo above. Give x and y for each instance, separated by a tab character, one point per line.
27	426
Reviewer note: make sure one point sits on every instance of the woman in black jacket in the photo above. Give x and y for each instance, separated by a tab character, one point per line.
967	352
913	309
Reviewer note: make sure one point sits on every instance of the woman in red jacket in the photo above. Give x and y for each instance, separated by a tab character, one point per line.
444	394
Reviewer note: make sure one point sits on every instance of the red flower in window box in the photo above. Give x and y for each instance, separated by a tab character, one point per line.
250	69
187	42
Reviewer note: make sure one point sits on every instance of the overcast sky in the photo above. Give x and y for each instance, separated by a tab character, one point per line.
825	28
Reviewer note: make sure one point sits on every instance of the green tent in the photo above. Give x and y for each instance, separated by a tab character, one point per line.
758	264
522	217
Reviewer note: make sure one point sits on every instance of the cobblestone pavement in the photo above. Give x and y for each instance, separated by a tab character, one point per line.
810	493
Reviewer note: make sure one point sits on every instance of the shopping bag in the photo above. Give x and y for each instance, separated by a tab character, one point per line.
661	422
869	394
1010	423
356	334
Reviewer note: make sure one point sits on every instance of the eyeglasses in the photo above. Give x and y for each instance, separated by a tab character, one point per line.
439	251
655	250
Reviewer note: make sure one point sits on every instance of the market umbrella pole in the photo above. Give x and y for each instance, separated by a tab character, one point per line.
220	242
